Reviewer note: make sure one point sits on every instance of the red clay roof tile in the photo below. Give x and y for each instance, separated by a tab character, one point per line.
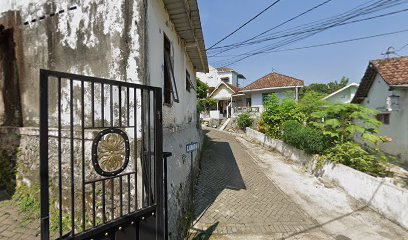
274	80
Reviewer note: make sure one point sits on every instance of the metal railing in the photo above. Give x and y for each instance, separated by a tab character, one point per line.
239	110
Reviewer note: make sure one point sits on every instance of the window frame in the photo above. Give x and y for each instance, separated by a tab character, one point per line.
384	118
188	81
169	81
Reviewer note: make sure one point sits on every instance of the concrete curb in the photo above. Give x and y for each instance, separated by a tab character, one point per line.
386	198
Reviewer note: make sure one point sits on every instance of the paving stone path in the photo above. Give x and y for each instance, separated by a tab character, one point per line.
234	196
13	224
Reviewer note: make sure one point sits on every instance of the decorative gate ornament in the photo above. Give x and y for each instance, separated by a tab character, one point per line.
110	152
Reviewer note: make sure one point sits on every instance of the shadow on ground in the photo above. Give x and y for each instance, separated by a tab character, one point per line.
219	171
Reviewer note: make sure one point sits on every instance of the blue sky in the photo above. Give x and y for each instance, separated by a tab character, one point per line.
314	65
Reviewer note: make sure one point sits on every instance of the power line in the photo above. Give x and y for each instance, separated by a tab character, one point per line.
399	49
321	25
330	43
243	25
281	24
323	28
315	28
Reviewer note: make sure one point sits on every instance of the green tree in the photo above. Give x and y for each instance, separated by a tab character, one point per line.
203	102
325	89
202	89
311	102
276	113
343	122
204	105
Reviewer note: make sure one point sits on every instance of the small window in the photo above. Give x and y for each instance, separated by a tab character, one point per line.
188	82
170	88
384	118
248	102
265	96
225	79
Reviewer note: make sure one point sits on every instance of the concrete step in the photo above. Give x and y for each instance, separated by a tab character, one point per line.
225	124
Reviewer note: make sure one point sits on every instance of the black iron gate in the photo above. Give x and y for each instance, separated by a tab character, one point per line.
101	159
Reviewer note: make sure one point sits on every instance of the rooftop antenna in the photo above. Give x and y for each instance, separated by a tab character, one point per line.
390	51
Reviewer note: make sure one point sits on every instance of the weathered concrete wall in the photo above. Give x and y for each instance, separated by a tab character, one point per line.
121	40
97	38
386	198
179	119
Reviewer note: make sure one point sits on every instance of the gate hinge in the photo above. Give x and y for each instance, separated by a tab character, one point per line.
159	115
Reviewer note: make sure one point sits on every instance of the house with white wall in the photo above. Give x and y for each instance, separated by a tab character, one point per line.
384	87
217	75
252	97
157	43
343	95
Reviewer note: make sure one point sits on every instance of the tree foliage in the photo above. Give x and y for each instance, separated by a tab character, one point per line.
276	113
328	130
343	122
311	102
205	104
306	138
202	89
244	120
325	89
353	155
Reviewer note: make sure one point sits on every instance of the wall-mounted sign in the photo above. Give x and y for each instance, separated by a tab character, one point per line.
191	147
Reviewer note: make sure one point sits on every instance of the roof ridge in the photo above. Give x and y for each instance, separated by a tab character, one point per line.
388	59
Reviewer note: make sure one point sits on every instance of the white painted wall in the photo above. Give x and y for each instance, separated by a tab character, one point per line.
256	96
213	78
344	96
179	119
222	93
210	78
398	127
159	24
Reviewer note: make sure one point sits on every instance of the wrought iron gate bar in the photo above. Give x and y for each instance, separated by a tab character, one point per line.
135	217
59	160
71	124
91	173
64	75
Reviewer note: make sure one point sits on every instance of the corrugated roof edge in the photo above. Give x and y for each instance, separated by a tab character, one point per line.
193	34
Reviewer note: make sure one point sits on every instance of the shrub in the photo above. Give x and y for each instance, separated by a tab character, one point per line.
311	140
275	114
205	104
343	122
244	120
261	127
311	102
353	155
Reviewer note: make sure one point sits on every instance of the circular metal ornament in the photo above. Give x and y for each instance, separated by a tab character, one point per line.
110	152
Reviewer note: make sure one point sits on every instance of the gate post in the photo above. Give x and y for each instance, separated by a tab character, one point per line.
45	221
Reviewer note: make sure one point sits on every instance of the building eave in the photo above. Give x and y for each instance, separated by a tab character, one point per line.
340	90
185	16
266	89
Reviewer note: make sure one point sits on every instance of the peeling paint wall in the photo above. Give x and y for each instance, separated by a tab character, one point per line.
179	119
97	38
114	40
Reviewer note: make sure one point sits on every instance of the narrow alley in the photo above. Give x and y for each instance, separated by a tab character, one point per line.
237	199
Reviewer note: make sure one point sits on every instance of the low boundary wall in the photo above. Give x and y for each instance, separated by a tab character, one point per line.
386	198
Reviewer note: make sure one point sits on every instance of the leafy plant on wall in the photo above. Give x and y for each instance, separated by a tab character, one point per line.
343	122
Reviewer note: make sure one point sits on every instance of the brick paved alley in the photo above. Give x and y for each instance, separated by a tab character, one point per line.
234	196
13	225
